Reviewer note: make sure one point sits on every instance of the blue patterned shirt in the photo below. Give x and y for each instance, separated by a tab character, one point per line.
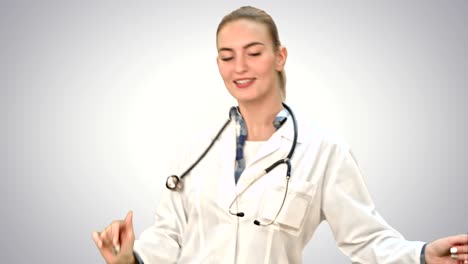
241	136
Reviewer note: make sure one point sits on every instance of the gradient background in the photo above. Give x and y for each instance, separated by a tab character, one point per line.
96	95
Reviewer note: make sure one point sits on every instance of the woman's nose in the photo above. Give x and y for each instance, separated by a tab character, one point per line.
241	65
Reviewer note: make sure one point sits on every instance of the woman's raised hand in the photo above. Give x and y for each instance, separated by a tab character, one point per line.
116	241
448	250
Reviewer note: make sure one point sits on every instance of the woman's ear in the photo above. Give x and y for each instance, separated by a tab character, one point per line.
281	57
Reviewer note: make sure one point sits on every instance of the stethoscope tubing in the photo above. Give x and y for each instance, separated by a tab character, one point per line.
207	149
174	182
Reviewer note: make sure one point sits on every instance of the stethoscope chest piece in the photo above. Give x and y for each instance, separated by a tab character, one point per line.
174	183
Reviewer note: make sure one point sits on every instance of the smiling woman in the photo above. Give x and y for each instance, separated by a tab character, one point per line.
241	19
311	176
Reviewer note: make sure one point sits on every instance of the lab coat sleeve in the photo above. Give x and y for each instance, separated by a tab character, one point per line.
162	241
361	233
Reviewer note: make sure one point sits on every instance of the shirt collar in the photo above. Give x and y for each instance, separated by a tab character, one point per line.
280	118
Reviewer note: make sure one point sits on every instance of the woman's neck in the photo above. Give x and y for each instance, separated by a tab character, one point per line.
259	119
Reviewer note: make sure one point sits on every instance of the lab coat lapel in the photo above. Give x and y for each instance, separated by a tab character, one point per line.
284	135
286	132
248	177
269	147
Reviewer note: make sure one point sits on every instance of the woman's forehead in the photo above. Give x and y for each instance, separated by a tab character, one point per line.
239	33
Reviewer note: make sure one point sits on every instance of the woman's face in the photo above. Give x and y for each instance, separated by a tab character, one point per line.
248	62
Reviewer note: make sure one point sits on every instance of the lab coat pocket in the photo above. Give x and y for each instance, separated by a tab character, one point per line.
295	208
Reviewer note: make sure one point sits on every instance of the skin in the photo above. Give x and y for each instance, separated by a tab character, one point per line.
118	235
438	251
246	51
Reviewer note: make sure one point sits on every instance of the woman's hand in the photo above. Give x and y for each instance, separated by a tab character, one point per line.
116	241
441	251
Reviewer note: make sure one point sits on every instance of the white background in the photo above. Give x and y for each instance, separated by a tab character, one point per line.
96	96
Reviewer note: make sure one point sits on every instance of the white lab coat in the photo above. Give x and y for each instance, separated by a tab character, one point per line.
195	226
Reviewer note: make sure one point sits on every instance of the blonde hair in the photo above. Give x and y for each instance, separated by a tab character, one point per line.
260	16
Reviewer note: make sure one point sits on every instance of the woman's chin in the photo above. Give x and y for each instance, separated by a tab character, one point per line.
246	99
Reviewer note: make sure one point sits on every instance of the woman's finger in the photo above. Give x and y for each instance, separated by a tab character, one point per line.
97	239
461	239
460	257
456	258
459	249
128	223
107	235
115	236
129	220
103	236
116	228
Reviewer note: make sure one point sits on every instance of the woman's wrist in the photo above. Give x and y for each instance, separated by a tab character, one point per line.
423	255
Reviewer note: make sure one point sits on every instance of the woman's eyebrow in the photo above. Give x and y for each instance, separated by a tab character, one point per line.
246	46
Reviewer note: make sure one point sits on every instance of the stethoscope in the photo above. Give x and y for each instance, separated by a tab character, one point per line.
174	182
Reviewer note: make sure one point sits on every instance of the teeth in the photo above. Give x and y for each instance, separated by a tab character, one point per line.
243	81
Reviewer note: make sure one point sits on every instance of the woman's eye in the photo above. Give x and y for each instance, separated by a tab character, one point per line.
226	59
254	54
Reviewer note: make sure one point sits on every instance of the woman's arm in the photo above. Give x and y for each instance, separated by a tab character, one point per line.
361	233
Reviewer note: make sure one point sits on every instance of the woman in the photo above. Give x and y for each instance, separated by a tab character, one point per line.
226	211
